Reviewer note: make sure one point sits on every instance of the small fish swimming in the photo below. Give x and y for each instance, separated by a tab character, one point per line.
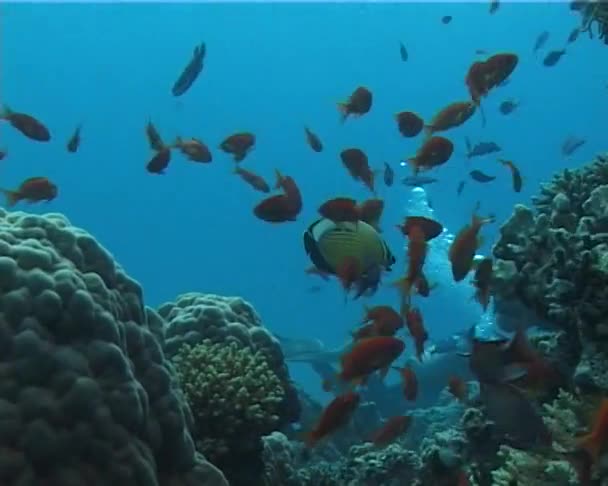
313	140
479	176
571	145
154	139
29	126
34	189
494	6
389	175
481	148
508	106
553	57
460	188
573	35
74	141
446	19
191	71
160	161
418	180
541	40
358	103
403	52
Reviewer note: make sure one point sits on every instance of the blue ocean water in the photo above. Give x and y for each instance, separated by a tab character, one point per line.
271	69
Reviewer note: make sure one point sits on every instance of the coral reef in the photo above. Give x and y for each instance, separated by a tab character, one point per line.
218	330
86	396
232	392
594	13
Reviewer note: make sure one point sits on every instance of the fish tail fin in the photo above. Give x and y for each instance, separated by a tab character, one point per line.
279	179
482	113
177	144
343	109
12	197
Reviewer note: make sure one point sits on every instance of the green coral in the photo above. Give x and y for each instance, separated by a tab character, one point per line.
232	391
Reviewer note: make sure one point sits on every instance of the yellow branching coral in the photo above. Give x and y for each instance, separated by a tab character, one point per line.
233	393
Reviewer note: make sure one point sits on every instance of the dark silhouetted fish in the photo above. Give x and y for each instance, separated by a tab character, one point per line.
541	40
403	52
481	148
574	35
191	72
552	58
460	188
514	416
571	145
479	176
508	106
446	19
417	181
389	175
494	6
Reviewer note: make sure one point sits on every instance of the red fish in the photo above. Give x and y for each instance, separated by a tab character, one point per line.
409	123
254	180
482	282
453	115
239	145
275	209
392	428
415	325
154	139
384	319
194	149
313	140
26	124
292	192
409	383
371	211
458	388
358	103
463	248
419	231
357	164
335	416
31	190
160	161
349	271
368	356
482	76
434	152
340	209
595	441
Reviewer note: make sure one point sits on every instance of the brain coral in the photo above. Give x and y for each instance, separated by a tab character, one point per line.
221	329
85	394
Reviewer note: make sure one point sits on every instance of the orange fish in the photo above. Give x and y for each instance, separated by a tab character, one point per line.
409	383
482	282
275	209
368	356
26	124
160	161
254	180
453	115
31	190
409	123
458	388
594	442
385	319
357	164
419	231
482	76
340	209
154	139
348	272
434	152
463	248
371	211
239	145
194	149
392	428
74	141
515	174
359	103
415	325
292	192
335	416
313	140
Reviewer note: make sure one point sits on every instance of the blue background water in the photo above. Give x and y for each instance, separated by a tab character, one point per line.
271	69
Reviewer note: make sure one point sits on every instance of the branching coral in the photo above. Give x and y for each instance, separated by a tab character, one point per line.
233	394
594	12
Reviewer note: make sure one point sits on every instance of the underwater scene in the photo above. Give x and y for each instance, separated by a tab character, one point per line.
304	244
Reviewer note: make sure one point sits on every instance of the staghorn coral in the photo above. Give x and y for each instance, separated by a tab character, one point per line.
86	396
233	394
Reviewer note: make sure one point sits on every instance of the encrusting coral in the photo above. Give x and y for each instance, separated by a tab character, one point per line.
86	396
233	394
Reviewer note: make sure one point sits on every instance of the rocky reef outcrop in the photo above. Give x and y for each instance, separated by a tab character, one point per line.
86	395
